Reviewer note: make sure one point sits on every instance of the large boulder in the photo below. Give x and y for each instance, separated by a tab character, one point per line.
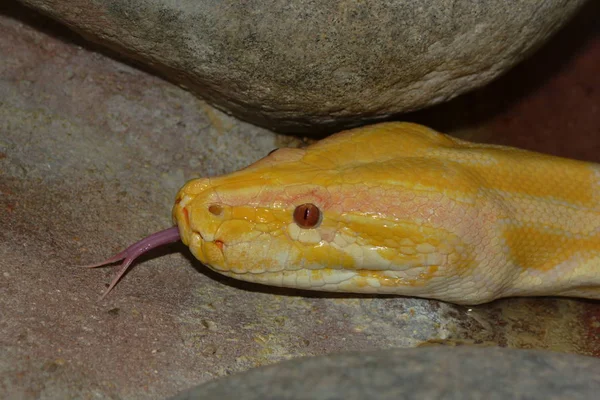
414	374
297	65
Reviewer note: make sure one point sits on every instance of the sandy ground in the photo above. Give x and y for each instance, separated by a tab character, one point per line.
92	152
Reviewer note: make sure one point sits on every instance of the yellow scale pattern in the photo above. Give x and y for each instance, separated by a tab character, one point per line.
405	210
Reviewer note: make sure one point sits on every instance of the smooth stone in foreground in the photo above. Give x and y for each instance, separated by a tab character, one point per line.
417	373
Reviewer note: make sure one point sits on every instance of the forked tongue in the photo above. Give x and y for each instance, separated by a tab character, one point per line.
128	255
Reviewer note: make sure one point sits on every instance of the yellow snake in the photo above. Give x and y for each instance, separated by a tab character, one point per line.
397	208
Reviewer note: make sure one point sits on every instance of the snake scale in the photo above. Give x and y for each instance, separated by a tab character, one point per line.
397	208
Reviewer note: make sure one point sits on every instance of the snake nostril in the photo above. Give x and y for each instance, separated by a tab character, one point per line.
215	209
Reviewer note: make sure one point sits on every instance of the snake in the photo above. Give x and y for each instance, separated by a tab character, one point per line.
396	208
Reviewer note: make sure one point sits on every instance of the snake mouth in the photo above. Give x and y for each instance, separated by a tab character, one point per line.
202	242
217	242
209	252
199	234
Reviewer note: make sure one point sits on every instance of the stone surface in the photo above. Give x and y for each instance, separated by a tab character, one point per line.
92	152
305	65
464	373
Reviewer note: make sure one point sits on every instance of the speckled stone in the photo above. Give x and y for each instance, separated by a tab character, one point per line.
306	64
426	373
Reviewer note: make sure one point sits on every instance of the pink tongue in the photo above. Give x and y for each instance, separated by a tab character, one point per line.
128	255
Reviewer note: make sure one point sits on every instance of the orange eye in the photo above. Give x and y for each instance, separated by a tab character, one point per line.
215	209
307	216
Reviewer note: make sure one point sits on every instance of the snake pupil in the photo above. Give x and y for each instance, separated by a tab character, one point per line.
307	216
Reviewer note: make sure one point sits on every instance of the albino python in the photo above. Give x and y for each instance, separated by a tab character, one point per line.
397	208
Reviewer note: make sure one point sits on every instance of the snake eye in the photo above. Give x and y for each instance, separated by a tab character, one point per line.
307	216
215	209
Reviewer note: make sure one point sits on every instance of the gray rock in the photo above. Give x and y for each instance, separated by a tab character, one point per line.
296	65
422	373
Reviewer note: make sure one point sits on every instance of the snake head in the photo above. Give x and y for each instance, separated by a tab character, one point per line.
244	224
361	211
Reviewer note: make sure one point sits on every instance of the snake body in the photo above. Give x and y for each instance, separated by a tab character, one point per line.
402	210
